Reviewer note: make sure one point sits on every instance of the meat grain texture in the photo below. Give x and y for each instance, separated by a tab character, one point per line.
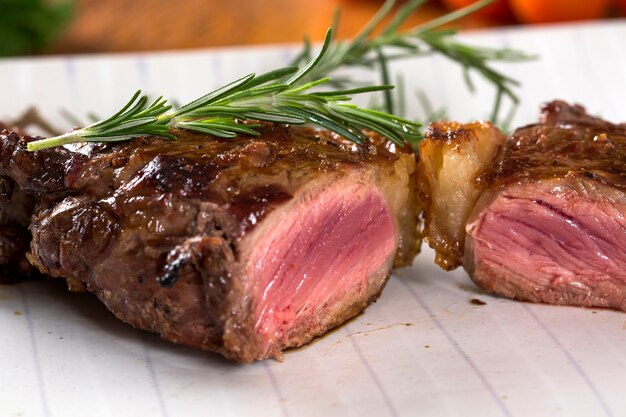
538	216
243	246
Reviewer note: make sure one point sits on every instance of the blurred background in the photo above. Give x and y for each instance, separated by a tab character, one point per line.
29	27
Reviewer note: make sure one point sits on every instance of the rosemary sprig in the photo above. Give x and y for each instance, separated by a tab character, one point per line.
290	95
391	44
280	96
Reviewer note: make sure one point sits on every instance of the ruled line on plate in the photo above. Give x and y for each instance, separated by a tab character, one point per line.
288	54
216	63
455	344
581	372
24	85
70	72
585	56
276	388
439	70
153	375
372	373
142	69
617	52
33	342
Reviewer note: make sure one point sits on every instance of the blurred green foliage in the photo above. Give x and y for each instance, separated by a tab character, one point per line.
28	26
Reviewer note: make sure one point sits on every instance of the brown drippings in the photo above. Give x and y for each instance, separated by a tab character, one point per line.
367	332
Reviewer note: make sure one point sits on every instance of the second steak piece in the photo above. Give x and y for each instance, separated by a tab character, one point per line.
242	246
545	215
16	208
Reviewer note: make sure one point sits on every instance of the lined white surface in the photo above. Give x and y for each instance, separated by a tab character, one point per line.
423	349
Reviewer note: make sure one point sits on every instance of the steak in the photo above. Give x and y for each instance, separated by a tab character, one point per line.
244	246
545	220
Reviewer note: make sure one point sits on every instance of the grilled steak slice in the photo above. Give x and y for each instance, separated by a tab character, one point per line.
243	246
550	223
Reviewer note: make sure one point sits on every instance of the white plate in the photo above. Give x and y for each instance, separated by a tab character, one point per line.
423	349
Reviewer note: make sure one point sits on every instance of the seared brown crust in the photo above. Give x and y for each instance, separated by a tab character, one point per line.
114	219
14	243
193	167
567	141
35	173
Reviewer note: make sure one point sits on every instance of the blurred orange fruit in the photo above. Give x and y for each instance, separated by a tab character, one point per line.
543	11
498	10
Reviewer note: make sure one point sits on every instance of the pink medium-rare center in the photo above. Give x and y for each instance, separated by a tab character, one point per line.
327	248
553	235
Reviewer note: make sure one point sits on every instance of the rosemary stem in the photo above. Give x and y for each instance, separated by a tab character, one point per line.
169	116
65	139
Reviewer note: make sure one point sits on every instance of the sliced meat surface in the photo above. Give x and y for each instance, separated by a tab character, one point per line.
560	241
242	246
